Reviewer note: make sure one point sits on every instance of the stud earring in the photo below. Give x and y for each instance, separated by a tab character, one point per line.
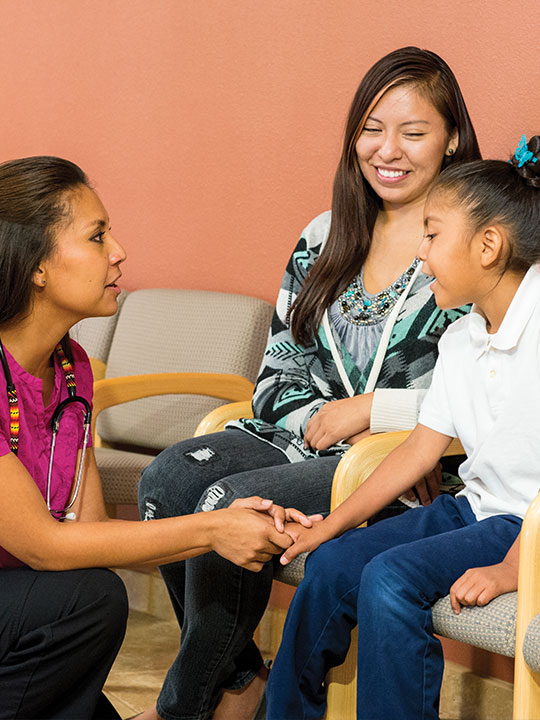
43	282
450	151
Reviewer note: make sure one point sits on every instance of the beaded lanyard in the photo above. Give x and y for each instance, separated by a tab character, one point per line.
14	416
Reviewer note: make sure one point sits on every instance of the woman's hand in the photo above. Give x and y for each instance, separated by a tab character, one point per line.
246	535
338	420
478	586
279	514
428	487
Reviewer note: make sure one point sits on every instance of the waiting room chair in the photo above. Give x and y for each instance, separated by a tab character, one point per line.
165	360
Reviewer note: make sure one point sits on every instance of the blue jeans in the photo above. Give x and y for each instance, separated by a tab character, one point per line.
219	605
385	578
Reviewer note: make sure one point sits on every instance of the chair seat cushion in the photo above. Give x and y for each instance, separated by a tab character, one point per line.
531	644
120	472
292	573
492	627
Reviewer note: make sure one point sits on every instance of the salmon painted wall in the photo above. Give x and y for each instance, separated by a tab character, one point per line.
211	128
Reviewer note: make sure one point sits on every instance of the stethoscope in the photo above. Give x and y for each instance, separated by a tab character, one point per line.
55	425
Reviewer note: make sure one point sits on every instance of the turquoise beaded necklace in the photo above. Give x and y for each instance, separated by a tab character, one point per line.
360	309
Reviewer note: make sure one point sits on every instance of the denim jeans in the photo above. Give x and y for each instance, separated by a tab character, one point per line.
385	578
219	605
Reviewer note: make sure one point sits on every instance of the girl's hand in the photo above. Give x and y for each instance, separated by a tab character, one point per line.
305	540
246	535
478	586
428	488
279	514
338	420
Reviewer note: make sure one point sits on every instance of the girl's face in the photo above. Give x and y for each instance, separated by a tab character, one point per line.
448	253
402	145
81	273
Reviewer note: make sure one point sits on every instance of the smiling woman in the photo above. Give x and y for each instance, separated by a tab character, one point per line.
396	154
62	613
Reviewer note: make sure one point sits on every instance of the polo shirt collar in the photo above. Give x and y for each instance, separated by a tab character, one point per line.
516	318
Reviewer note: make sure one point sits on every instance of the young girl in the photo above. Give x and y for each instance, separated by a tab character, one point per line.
482	240
62	618
355	357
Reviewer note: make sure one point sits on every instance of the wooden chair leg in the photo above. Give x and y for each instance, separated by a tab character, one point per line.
342	686
526	693
527	682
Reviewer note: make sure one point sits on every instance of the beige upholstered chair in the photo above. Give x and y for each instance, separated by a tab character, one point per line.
510	622
183	352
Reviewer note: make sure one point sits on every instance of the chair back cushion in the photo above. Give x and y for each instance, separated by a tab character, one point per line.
180	331
96	334
531	644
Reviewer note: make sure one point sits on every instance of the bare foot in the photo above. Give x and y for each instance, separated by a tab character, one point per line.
149	714
242	704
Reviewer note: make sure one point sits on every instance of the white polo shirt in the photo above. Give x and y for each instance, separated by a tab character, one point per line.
486	391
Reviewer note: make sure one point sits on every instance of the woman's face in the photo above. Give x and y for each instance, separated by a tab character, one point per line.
402	145
81	273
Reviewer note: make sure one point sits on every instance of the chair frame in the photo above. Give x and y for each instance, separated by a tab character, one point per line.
109	392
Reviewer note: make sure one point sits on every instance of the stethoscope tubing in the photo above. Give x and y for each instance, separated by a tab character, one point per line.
55	425
62	513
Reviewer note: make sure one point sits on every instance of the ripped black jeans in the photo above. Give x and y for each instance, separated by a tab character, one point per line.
219	605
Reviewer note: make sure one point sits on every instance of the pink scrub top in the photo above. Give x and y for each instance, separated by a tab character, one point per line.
35	429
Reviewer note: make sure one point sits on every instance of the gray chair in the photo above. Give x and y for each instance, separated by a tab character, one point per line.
191	349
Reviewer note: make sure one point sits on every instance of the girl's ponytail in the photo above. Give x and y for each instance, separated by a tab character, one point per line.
526	161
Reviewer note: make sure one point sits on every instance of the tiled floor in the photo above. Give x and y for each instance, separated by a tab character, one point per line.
148	650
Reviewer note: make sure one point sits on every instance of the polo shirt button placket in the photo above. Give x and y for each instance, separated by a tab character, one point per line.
492	372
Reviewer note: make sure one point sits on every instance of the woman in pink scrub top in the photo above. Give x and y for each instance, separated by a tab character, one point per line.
62	613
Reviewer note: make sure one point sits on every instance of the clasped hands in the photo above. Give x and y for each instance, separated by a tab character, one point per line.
251	530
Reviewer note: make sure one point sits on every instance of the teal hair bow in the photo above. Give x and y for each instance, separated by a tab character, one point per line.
523	154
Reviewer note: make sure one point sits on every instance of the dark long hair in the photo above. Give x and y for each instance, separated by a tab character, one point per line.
355	204
33	201
493	191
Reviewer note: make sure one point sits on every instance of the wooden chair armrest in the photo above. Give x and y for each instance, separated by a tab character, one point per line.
216	420
115	391
361	460
98	368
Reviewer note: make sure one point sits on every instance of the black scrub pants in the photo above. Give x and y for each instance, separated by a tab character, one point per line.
59	635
